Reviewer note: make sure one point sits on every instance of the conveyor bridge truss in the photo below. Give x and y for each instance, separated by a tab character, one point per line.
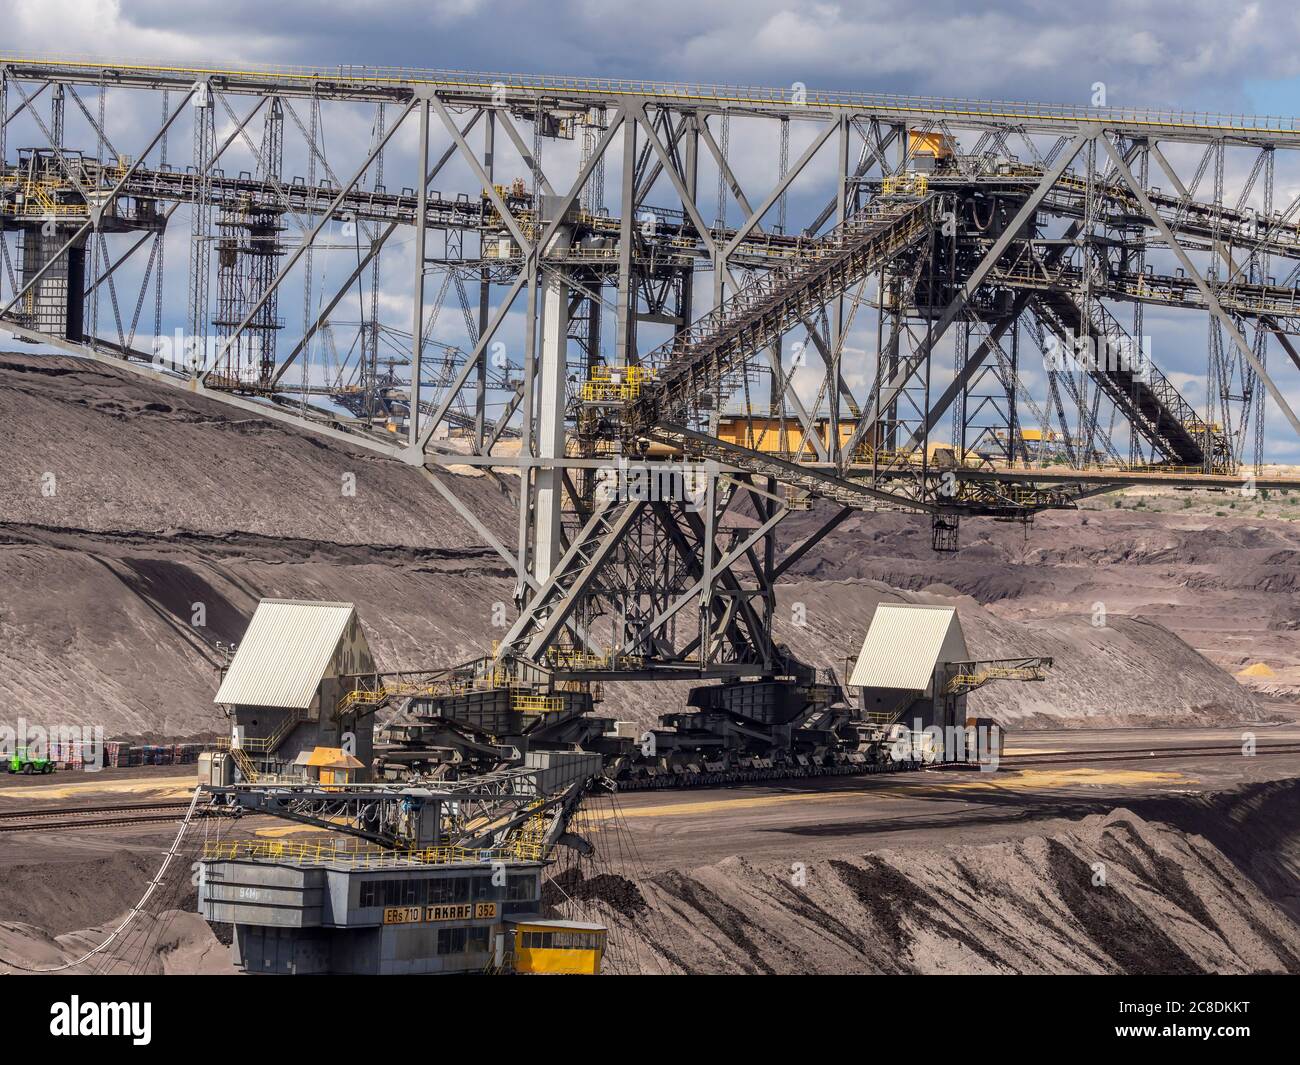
984	317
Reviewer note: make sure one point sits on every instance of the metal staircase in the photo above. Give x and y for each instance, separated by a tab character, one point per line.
245	765
1142	393
265	745
262	746
883	719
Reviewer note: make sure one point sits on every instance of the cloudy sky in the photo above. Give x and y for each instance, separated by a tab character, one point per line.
1192	55
1197	53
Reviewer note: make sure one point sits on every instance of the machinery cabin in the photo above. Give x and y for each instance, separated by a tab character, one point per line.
289	694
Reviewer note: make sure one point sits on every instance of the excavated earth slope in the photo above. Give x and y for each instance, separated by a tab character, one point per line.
1184	885
164	502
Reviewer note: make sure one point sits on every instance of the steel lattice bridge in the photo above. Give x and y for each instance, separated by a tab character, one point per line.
651	354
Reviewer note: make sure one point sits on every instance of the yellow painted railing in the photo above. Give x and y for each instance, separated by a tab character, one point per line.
573	658
40	199
536	704
367	698
523	849
969	681
245	764
609	384
904	185
267	744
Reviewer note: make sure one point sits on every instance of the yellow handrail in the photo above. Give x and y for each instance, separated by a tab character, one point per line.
904	185
524	848
360	698
622	383
975	680
536	704
246	768
267	744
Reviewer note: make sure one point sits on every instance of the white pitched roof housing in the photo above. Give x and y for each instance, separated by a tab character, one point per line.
904	644
288	648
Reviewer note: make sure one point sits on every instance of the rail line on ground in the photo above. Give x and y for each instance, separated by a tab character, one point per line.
37	819
1146	754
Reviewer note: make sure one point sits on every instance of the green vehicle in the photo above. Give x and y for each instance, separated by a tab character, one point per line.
21	761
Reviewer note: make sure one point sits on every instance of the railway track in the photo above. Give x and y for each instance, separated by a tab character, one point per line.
1146	754
45	819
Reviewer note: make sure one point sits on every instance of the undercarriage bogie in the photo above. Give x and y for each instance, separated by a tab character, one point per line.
735	732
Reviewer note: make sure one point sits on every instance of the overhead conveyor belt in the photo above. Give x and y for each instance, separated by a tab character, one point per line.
381	83
700	360
1148	398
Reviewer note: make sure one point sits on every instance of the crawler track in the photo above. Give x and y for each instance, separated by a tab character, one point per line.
1108	754
738	777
